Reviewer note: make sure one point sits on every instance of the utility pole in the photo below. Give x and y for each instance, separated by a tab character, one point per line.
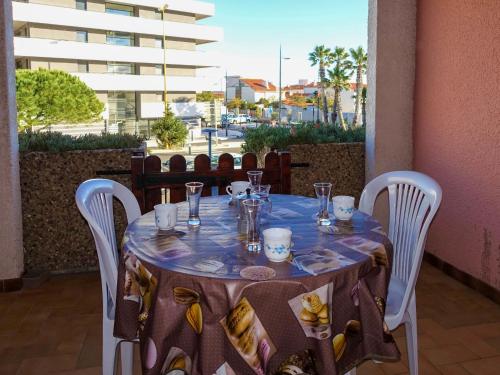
279	105
279	109
225	105
165	100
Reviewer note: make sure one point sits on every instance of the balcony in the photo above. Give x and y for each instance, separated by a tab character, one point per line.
58	49
143	83
418	119
59	16
200	8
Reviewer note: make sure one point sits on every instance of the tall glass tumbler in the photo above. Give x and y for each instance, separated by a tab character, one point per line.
193	192
323	190
252	210
263	192
255	178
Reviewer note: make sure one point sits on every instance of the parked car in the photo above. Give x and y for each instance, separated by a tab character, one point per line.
229	119
243	119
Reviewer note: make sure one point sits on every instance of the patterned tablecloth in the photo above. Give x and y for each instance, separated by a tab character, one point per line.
199	304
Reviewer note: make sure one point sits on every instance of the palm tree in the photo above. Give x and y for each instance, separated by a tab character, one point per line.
341	68
363	106
359	61
339	80
322	57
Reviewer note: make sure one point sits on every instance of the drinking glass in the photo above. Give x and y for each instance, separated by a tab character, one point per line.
252	210
193	192
323	190
255	178
263	192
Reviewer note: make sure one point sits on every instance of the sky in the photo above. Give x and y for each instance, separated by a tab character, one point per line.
254	30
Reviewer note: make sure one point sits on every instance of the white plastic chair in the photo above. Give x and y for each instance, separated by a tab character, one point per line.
94	199
414	199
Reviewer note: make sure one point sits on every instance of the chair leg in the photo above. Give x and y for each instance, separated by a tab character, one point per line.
127	357
411	337
109	344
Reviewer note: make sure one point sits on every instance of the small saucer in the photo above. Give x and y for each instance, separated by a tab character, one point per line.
257	273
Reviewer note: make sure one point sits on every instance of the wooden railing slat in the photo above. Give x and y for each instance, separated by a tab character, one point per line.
225	166
249	161
177	163
202	165
148	180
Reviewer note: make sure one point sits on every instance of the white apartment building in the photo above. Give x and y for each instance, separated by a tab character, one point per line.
116	48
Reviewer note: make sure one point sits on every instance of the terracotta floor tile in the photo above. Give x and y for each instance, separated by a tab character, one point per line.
448	354
55	327
369	368
82	371
454	369
485	366
46	365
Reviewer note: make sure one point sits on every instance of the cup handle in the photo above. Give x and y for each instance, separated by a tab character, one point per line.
229	190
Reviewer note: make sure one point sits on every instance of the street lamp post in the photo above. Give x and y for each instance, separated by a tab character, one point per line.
279	101
165	100
225	105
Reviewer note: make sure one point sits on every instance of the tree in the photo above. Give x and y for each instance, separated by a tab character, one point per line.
322	57
339	80
265	102
363	106
235	103
169	130
298	100
342	65
359	62
205	96
48	97
244	105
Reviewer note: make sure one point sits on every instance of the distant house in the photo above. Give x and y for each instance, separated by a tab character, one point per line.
291	90
250	89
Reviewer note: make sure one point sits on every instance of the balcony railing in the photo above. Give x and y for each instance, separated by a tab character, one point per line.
60	49
59	16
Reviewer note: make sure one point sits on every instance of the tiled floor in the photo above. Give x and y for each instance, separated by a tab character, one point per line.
56	328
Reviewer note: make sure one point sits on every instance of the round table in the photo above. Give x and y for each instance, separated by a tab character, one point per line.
199	301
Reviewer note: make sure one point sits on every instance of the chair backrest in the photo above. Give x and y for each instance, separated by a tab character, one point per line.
94	199
152	186
414	199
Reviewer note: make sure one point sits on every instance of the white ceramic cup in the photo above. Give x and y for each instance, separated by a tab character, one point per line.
166	216
236	188
343	207
277	243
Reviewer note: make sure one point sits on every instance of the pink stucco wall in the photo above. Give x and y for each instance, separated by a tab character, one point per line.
457	129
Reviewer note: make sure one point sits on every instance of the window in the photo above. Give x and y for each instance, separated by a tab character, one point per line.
123	10
83	67
82	36
81	4
159	42
158	15
121	68
159	70
121	105
120	39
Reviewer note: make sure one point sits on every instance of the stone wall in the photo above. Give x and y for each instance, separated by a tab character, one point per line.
56	237
342	164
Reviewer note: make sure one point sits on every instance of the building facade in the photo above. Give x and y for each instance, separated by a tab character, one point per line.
250	90
116	48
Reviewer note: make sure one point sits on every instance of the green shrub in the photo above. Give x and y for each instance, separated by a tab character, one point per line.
58	142
169	130
265	137
48	97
